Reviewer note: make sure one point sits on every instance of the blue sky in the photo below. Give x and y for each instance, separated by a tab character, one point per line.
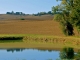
26	6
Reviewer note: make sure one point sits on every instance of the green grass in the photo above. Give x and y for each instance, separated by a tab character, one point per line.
40	36
41	40
10	41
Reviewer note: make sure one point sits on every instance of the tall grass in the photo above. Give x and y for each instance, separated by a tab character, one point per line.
41	38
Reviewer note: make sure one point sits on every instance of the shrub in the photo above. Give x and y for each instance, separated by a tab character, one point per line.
22	19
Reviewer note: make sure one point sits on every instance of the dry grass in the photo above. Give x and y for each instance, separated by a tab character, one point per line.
18	17
46	27
11	24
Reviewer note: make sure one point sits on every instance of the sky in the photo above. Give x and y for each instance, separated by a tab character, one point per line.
27	6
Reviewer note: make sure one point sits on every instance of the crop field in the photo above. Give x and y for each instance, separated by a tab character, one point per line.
45	26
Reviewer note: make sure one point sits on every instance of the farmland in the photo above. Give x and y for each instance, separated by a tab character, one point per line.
37	32
39	25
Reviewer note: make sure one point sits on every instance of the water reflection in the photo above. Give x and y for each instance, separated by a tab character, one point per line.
16	49
28	54
69	54
38	54
21	49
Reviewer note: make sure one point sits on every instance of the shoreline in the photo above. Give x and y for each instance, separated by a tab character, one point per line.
42	42
41	46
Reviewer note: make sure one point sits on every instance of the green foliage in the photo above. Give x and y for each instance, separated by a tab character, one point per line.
75	14
63	28
68	11
49	12
73	6
43	13
22	19
58	17
15	13
67	53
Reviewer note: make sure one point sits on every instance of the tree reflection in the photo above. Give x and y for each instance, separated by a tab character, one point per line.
67	53
45	50
15	49
50	50
77	55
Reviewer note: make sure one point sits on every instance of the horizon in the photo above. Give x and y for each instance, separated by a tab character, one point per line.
27	6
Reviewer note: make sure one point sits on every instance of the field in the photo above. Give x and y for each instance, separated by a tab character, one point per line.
43	25
37	32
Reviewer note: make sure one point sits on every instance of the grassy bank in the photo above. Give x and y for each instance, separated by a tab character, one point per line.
40	41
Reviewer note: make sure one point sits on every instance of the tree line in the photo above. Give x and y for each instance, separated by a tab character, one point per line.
43	13
37	14
15	13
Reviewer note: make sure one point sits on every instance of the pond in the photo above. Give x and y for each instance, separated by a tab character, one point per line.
28	54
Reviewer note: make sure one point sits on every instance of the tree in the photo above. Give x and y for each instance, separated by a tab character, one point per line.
49	12
8	12
75	14
17	13
12	12
62	14
42	13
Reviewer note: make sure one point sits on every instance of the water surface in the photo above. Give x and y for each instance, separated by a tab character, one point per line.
28	54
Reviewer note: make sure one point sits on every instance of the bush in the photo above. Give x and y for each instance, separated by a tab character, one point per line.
22	19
